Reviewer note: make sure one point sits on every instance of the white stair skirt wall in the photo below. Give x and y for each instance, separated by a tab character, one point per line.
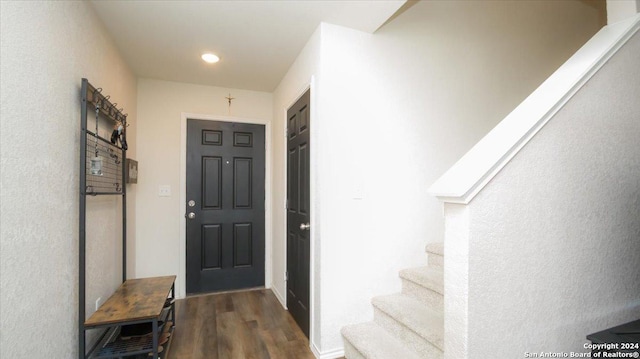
456	276
409	324
542	215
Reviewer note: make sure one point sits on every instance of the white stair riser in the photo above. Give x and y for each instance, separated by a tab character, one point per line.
431	298
408	336
435	260
350	352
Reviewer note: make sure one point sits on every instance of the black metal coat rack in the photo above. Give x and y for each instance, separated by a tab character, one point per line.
108	179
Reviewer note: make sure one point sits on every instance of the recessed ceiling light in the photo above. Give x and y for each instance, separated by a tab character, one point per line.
210	58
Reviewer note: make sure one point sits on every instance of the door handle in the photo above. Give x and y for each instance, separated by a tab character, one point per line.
191	215
304	226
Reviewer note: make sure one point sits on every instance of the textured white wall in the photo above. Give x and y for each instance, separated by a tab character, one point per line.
456	279
554	246
398	108
46	48
159	219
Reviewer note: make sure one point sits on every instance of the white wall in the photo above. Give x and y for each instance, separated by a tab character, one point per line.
46	48
618	10
553	238
398	108
160	220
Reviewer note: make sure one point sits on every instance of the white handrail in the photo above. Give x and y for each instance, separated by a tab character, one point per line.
477	167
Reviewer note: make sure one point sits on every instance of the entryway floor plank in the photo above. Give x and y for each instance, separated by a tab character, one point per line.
237	325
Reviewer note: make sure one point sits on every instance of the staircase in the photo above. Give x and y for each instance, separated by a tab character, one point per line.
408	325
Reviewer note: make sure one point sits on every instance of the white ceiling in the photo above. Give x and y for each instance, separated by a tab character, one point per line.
257	41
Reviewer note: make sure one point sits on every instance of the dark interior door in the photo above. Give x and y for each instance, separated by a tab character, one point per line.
298	246
225	205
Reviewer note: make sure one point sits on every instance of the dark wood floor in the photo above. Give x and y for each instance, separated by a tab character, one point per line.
239	325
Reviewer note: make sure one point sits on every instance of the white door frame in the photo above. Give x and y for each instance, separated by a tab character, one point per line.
181	287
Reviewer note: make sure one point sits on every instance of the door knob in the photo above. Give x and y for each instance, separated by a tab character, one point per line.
191	215
304	226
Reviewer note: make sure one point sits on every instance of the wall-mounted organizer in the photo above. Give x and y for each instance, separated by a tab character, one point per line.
138	319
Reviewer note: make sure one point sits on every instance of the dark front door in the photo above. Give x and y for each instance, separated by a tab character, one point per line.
298	246
225	205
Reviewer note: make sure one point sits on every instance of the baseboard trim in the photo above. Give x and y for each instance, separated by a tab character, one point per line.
280	297
331	354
